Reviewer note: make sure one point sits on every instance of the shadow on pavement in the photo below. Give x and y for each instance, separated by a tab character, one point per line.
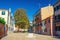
57	36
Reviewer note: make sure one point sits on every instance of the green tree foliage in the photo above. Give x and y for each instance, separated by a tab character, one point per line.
21	19
2	20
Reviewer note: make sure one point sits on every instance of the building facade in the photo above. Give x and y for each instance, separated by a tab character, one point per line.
9	19
37	20
57	17
44	20
30	27
12	23
4	14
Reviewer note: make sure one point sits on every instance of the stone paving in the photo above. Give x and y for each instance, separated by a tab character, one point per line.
24	36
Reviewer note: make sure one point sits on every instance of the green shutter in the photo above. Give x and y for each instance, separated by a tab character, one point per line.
3	12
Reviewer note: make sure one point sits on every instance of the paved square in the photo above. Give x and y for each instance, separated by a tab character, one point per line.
23	36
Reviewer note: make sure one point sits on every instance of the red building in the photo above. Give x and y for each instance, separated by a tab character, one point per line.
44	22
37	20
3	30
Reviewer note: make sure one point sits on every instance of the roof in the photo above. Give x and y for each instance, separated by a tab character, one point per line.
3	9
37	12
56	2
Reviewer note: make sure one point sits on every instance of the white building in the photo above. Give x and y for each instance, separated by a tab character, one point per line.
12	23
6	14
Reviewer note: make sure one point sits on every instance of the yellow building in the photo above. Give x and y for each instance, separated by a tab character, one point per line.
47	12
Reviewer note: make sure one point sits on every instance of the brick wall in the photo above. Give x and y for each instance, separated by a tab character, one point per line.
48	26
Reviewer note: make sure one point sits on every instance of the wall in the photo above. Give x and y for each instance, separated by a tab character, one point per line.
56	13
38	20
48	26
47	12
1	30
4	16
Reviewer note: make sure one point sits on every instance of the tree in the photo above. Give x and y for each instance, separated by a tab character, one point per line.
2	20
21	19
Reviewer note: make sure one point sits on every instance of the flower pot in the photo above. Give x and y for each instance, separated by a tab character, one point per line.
1	30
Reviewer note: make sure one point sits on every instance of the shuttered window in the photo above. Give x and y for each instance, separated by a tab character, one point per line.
3	12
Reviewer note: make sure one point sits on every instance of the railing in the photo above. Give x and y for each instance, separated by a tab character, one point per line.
57	20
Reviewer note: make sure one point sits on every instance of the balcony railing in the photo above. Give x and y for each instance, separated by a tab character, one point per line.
57	20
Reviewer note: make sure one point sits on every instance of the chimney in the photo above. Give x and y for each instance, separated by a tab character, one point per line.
49	5
9	9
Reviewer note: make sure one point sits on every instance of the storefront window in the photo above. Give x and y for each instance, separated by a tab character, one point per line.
57	28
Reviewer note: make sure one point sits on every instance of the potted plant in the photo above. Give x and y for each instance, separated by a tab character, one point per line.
2	24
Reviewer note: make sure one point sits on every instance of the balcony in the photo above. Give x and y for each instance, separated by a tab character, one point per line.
57	20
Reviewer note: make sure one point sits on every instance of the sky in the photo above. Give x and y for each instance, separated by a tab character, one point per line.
31	6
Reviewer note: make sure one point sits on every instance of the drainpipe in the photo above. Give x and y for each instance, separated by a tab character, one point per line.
51	19
52	25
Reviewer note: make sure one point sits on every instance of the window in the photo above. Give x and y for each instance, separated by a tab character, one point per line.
45	30
55	17
57	28
58	16
48	20
41	24
59	6
55	9
3	12
35	19
38	24
45	22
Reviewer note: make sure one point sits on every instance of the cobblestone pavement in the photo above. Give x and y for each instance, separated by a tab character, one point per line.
24	36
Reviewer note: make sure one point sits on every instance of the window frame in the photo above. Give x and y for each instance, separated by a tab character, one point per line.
3	12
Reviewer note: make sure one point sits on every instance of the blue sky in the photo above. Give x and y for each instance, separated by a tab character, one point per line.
31	6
